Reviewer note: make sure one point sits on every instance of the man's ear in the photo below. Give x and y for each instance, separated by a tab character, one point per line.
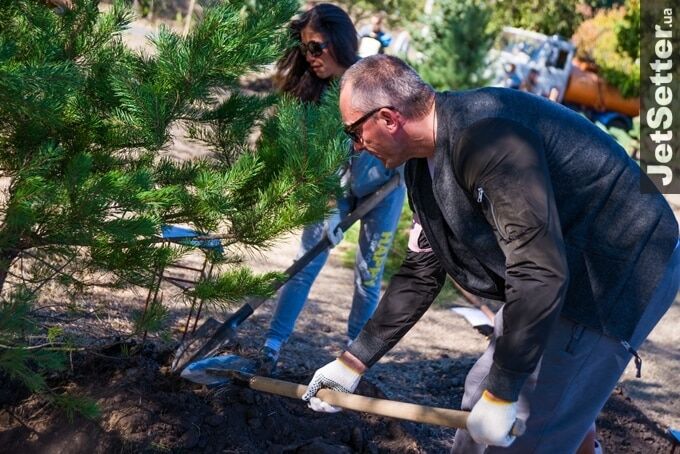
392	118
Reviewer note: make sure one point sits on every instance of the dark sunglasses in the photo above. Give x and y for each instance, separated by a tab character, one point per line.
352	130
313	47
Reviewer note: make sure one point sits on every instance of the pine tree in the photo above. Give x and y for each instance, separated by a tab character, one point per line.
454	47
87	185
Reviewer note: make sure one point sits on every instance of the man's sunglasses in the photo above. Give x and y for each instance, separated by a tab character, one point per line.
313	47
352	130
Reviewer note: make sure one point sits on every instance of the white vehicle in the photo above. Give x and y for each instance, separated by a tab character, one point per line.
547	66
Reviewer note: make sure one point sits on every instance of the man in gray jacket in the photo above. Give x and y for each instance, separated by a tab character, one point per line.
521	200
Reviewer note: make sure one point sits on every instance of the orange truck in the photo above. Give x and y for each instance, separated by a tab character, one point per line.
547	66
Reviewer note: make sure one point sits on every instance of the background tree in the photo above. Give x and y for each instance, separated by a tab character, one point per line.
399	12
598	41
551	17
454	48
87	185
628	31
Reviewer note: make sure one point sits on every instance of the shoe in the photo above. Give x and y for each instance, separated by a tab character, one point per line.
266	362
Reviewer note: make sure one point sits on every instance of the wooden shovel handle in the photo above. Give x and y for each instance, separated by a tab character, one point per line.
381	407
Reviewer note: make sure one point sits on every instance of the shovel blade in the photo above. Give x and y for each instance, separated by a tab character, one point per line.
188	348
203	371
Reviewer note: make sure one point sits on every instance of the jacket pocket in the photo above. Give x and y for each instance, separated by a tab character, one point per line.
484	201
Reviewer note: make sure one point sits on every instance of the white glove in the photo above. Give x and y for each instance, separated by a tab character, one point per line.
331	228
335	375
491	420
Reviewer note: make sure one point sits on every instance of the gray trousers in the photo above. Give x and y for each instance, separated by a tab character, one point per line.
573	380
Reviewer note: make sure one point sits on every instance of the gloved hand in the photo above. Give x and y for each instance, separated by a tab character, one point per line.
335	375
331	228
491	420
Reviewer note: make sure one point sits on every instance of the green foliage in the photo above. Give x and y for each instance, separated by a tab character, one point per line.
453	51
17	359
628	31
152	319
305	161
72	405
551	17
54	333
398	12
597	41
14	312
235	285
85	124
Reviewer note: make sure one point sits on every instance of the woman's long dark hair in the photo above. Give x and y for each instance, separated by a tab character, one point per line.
294	75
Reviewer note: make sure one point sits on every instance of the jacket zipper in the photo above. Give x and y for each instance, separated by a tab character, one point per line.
481	195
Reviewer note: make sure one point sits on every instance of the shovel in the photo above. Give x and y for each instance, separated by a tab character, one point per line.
232	368
212	335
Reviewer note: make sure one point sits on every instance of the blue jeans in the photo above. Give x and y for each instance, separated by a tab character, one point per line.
576	375
375	240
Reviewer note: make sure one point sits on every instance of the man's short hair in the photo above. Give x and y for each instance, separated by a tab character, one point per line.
384	80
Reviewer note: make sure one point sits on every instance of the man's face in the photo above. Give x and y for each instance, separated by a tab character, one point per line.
375	131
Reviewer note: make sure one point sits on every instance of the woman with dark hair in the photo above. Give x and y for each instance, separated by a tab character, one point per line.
327	47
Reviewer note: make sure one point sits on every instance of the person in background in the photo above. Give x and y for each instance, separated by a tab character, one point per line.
327	47
375	30
522	200
512	79
530	83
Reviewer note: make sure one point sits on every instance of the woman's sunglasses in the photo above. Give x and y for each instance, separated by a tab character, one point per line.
313	47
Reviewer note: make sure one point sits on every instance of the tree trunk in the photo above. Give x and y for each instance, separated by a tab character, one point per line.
7	257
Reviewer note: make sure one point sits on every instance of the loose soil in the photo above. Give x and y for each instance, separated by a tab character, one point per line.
147	409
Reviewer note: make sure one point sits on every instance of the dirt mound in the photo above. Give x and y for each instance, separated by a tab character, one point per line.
144	408
147	409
